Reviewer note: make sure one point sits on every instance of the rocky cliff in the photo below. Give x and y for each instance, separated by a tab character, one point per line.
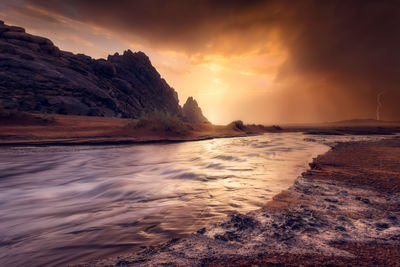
192	112
37	76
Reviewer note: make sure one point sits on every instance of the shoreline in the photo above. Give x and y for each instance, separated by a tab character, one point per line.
28	129
330	215
115	141
67	130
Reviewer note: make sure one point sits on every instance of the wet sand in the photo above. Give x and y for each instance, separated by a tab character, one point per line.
345	210
372	172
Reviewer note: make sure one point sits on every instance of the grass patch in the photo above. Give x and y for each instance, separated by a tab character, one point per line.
161	122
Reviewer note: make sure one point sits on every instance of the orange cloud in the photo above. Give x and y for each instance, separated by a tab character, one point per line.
263	61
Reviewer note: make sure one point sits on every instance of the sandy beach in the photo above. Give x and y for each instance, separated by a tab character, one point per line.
345	210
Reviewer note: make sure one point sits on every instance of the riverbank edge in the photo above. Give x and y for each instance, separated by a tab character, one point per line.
322	219
117	141
69	130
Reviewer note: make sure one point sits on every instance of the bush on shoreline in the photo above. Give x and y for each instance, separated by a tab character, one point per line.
277	127
161	121
238	125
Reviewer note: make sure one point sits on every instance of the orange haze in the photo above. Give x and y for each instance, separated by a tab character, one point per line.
259	61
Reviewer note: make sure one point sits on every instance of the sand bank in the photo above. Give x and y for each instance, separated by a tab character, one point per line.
345	210
44	130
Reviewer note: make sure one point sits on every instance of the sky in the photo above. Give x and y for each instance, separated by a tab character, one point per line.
258	61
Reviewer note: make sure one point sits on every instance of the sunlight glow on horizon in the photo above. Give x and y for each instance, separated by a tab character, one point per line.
211	79
267	62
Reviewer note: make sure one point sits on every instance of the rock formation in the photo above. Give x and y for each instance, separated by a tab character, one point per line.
192	112
36	76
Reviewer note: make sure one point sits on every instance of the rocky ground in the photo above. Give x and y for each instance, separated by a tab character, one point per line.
344	211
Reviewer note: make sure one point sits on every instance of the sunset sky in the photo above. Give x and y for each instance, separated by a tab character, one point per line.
259	61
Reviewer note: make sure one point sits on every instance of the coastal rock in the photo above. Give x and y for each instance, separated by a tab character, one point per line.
36	76
192	112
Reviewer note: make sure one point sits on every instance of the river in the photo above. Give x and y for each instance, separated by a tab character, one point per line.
62	205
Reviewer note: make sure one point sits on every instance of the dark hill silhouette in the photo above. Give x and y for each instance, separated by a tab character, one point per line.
37	76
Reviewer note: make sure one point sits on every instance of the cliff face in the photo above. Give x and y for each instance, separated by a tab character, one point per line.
192	112
36	76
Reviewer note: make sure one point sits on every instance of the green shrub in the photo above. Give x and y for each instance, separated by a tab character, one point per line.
238	125
161	121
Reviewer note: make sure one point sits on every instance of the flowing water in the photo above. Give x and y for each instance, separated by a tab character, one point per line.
61	205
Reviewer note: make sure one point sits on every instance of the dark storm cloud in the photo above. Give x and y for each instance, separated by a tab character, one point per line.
346	52
352	46
187	25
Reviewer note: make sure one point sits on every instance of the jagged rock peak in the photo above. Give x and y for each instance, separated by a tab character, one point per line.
129	55
192	112
132	59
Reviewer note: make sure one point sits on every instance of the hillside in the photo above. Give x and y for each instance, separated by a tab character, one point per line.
37	76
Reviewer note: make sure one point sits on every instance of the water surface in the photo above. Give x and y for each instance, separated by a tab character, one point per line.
61	205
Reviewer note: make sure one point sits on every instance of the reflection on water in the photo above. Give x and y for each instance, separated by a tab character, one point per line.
63	205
